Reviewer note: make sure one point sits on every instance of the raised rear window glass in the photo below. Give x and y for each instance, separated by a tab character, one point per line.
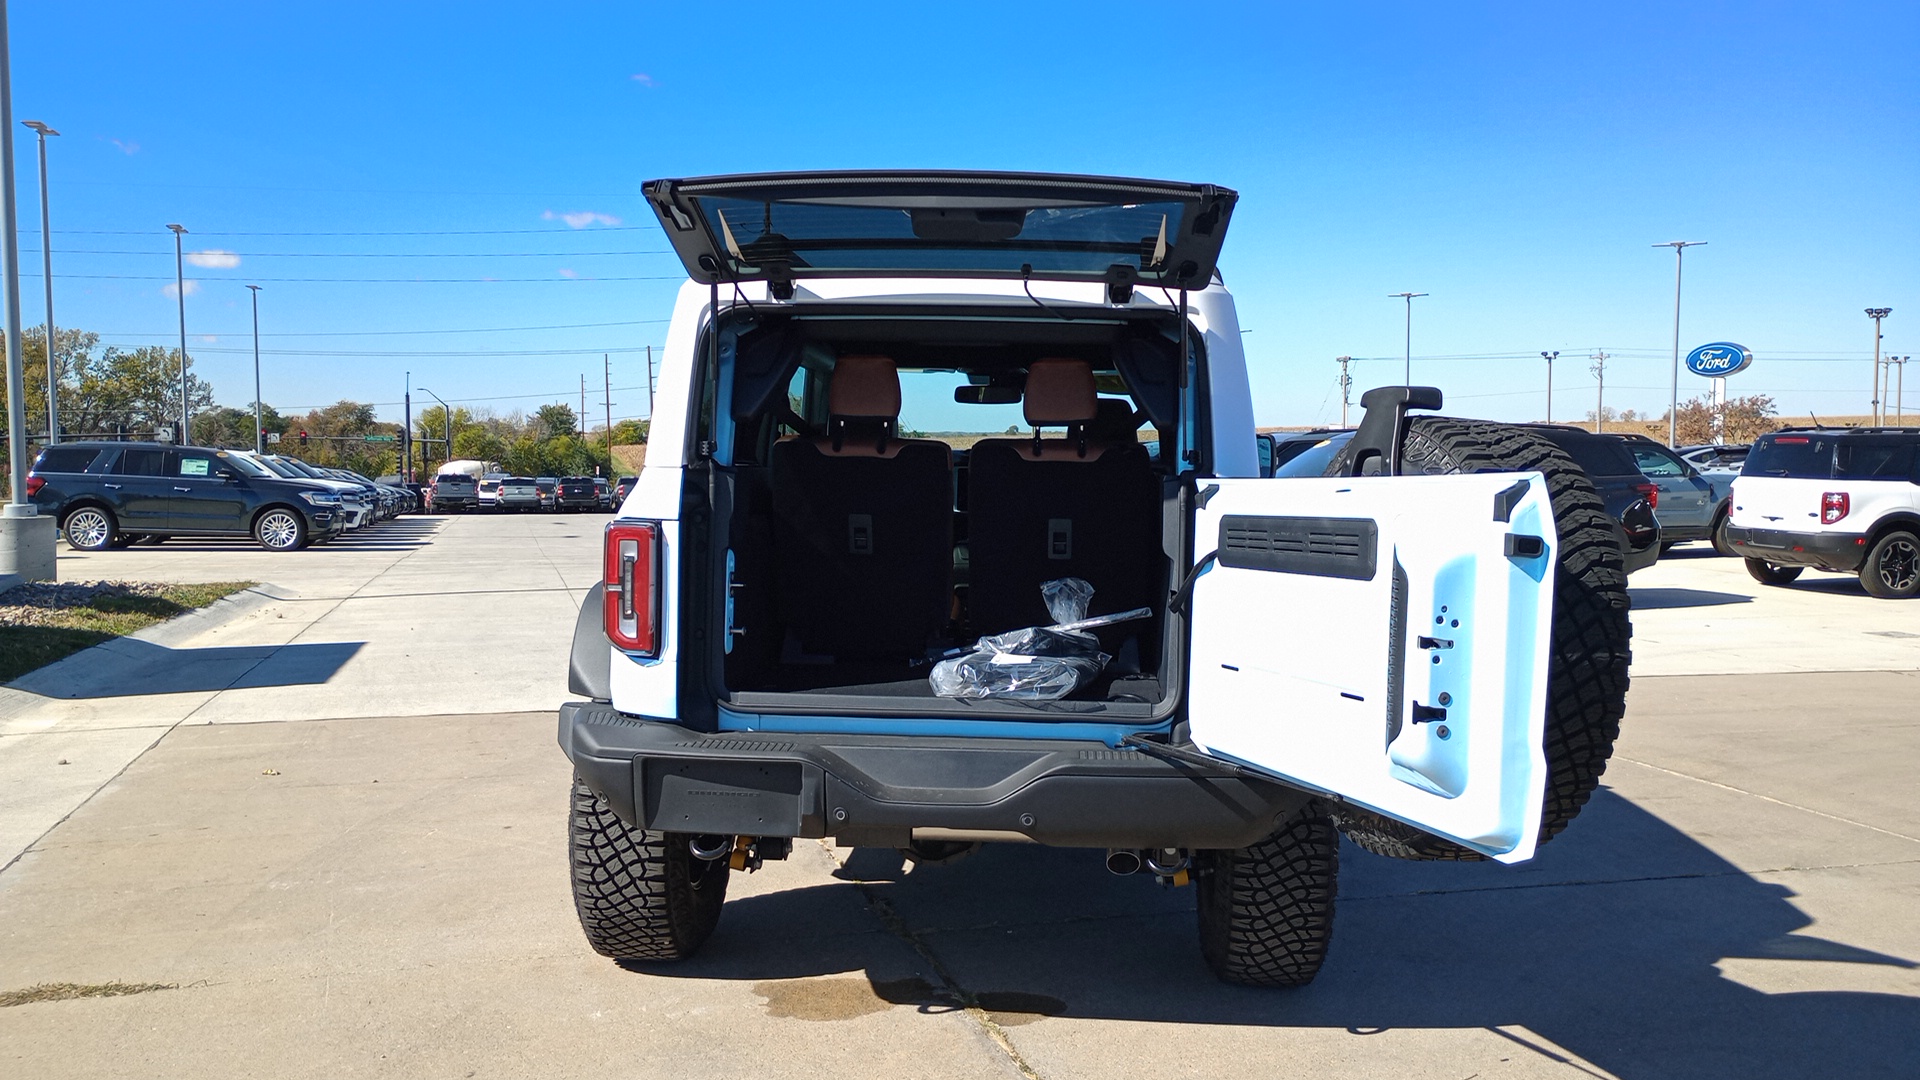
1599	457
1654	463
844	236
70	459
1807	457
142	461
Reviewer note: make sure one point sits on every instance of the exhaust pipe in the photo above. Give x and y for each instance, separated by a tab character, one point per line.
1123	862
1167	862
710	848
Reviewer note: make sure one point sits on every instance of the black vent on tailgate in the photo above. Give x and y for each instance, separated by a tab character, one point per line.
1322	547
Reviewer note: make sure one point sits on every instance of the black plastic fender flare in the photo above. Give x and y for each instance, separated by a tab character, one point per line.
590	663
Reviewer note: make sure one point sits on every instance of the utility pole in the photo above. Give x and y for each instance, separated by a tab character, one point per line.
1600	400
583	403
406	435
46	273
180	291
1899	396
1550	357
1876	314
649	386
1673	411
1346	386
1408	297
607	400
259	436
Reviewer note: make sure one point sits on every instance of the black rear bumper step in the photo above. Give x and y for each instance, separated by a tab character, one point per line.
874	790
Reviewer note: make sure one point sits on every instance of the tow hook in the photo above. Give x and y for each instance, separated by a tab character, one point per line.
1170	866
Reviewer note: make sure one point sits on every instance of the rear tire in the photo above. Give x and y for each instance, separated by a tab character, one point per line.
1892	569
1266	911
1720	542
1767	573
640	895
91	528
1587	670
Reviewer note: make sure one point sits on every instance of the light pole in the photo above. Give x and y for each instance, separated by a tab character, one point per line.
1876	314
1899	396
1550	357
446	412
1673	407
259	435
46	273
1600	397
180	291
1408	297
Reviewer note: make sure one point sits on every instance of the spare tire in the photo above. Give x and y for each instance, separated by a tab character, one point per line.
1587	669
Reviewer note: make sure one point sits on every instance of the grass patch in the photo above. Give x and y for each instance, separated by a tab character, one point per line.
71	991
41	624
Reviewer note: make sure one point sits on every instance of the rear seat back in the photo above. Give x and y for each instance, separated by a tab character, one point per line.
863	525
1086	505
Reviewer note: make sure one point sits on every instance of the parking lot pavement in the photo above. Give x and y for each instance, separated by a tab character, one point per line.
414	616
1697	613
386	894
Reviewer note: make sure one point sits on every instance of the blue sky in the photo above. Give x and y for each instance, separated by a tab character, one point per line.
1514	162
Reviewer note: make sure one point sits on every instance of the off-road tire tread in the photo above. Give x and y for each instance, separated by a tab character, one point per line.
1587	672
638	893
1266	911
1870	568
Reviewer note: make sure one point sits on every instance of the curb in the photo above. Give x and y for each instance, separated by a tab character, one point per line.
200	620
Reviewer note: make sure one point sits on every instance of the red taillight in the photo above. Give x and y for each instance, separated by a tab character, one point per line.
34	484
1649	492
1834	506
631	577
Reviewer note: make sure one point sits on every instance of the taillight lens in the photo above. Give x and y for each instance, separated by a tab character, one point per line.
631	577
34	484
1834	506
1649	492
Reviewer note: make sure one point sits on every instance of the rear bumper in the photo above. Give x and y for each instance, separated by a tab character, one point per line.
1829	551
875	790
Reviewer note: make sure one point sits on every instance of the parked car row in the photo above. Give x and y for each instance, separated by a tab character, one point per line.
461	492
111	494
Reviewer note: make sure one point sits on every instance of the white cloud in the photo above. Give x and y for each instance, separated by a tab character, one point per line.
580	219
214	259
566	273
643	79
170	292
208	339
127	146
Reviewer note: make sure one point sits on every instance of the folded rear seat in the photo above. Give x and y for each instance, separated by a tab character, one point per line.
863	527
1086	505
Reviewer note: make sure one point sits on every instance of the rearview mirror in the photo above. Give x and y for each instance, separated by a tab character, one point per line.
986	395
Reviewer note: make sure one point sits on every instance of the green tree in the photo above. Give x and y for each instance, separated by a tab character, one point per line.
630	432
478	444
554	421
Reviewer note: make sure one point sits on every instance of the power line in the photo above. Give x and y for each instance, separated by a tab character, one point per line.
415	232
418	352
396	254
396	333
378	281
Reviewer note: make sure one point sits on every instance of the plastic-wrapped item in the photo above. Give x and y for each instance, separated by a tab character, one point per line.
1039	663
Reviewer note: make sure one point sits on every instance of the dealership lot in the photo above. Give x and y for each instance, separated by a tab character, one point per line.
333	816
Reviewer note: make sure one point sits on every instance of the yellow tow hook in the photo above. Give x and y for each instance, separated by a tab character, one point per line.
745	855
1180	877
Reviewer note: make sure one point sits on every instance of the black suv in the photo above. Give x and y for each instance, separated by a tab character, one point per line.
577	493
106	494
1631	498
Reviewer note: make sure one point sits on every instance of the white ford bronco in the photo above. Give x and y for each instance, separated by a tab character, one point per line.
1845	500
1425	650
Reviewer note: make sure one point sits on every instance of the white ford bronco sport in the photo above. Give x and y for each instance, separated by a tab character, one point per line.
1425	650
1846	500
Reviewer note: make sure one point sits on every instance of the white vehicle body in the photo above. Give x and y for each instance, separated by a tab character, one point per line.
1827	499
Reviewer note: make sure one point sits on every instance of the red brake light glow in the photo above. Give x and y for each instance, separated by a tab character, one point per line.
631	577
34	484
1650	492
1834	506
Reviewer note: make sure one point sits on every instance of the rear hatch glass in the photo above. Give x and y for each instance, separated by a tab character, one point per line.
784	226
1803	457
1598	456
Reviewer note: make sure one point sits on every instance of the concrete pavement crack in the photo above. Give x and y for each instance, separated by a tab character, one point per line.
1766	798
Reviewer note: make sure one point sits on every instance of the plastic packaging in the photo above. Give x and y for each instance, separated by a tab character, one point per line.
1039	663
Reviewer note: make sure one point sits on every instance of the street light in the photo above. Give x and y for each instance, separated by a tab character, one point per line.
1876	314
446	413
46	270
259	436
1899	396
1550	357
1408	297
1673	408
180	292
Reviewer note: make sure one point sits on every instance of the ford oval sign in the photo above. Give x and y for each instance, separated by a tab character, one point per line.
1719	359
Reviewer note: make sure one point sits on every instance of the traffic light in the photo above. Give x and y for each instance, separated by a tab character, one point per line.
303	438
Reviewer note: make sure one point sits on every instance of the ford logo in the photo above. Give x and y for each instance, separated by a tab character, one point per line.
1720	359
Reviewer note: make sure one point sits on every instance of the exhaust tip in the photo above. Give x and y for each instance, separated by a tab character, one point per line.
1120	861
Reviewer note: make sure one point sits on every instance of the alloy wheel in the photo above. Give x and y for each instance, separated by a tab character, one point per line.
1899	567
279	531
88	529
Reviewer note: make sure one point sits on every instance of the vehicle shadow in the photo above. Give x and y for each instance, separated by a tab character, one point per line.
1608	945
128	667
1649	599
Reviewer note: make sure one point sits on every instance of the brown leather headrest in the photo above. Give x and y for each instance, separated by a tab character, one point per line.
865	387
1060	391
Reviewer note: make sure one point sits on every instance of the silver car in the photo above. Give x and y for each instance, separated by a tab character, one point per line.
1691	506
